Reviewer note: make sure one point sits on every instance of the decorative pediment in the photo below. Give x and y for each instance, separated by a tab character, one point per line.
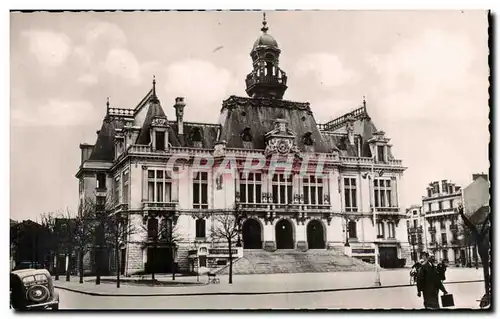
159	121
280	140
379	138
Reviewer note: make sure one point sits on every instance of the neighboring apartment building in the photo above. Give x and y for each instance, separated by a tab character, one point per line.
415	220
442	223
131	161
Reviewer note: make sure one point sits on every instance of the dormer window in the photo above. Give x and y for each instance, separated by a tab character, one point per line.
196	137
246	135
307	139
160	141
381	153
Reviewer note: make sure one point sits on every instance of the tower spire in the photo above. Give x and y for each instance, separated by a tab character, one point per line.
107	105
154	98
264	23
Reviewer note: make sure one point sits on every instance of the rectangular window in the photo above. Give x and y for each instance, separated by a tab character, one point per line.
442	224
451	203
380	230
101	180
433	237
125	187
445	254
440	205
159	186
282	187
415	223
160	141
429	192
391	227
250	188
117	190
380	153
444	239
350	195
313	190
430	207
351	228
382	193
200	190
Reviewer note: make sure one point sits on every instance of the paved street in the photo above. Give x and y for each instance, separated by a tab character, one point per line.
465	295
274	282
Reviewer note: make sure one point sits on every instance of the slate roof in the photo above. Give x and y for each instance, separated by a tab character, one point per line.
104	149
259	115
195	132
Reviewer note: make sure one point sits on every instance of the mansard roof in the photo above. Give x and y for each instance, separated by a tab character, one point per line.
104	149
195	132
259	115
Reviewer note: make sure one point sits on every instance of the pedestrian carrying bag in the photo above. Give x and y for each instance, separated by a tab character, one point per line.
447	300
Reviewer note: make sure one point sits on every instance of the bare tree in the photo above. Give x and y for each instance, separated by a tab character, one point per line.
118	229
83	234
48	221
481	233
164	234
226	228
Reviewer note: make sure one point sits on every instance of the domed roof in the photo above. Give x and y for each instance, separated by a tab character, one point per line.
267	40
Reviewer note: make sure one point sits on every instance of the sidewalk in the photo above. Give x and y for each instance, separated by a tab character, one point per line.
261	284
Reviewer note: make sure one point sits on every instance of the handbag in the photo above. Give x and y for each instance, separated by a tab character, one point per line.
447	300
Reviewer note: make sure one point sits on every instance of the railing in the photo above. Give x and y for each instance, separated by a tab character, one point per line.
417	229
159	205
338	122
224	252
253	79
454	227
432	243
387	209
356	160
432	229
140	149
120	112
192	252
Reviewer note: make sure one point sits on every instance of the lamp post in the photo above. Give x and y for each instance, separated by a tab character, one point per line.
377	282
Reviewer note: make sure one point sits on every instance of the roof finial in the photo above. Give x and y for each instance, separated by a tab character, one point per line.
154	98
264	23
364	101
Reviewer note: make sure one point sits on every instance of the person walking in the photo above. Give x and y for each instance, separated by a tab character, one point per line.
429	283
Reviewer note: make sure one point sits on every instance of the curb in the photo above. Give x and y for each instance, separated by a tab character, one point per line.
225	293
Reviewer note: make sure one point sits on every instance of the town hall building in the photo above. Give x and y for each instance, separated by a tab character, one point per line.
351	208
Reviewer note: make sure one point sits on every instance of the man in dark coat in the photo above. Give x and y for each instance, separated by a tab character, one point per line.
429	283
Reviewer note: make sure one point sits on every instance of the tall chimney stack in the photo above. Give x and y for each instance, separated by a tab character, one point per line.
179	114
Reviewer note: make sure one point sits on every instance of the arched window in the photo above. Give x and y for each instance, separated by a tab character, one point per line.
200	228
351	228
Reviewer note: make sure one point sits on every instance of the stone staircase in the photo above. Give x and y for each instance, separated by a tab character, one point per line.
293	261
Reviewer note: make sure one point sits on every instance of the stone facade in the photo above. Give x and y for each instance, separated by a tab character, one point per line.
340	189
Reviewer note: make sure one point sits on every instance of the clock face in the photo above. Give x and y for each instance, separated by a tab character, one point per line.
283	147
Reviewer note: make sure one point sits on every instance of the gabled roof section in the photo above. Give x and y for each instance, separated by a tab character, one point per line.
155	110
104	149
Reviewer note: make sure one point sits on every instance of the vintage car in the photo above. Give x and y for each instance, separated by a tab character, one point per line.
32	289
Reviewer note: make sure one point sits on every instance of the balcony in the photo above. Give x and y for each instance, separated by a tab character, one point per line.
159	206
454	227
387	210
432	229
433	243
101	192
413	230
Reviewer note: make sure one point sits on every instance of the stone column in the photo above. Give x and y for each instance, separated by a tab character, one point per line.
300	236
269	236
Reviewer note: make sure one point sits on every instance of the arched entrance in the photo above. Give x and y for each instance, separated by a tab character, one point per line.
315	235
252	234
284	234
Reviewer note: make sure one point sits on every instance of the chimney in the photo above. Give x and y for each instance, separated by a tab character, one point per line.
179	114
86	151
476	176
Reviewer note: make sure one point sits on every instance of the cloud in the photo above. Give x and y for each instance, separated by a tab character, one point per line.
55	112
203	84
104	35
50	48
327	69
89	79
431	76
123	63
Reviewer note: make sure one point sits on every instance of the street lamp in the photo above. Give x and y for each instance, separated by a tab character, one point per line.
377	282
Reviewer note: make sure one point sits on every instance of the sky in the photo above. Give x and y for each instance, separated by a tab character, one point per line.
424	75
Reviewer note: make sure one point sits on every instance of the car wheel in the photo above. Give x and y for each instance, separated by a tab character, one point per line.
55	307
